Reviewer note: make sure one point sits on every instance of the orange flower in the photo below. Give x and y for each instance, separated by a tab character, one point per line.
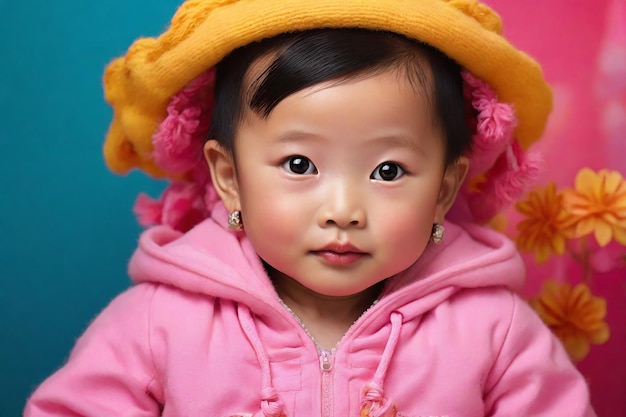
598	204
547	225
574	315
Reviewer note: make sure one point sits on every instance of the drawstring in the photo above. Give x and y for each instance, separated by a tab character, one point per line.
373	404
271	404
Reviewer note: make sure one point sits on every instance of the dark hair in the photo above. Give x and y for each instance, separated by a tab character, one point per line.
303	59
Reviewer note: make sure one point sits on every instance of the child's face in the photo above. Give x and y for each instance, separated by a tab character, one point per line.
340	186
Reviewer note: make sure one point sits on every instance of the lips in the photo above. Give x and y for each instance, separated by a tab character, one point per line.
340	254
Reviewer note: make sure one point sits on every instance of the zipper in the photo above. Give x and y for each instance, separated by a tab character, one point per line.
326	366
326	359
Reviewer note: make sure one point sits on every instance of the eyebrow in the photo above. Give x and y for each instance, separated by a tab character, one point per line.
391	140
401	141
295	136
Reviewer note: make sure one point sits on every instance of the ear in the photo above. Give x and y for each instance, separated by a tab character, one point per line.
450	185
223	174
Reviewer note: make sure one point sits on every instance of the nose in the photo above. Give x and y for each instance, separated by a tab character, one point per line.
343	207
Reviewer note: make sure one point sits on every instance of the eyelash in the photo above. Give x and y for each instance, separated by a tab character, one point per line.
310	169
399	171
310	166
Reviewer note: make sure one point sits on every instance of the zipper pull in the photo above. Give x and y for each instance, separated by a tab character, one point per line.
326	363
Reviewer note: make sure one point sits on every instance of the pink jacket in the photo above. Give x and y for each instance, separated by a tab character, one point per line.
203	334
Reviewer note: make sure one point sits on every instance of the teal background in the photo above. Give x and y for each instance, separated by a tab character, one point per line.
66	223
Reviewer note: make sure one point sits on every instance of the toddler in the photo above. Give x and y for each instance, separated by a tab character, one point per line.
320	250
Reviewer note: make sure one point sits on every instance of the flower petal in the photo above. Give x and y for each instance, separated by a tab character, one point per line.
601	335
603	233
620	236
574	315
586	181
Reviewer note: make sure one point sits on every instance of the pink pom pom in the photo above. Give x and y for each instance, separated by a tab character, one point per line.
494	123
178	145
179	138
484	154
508	171
514	173
524	170
181	206
147	210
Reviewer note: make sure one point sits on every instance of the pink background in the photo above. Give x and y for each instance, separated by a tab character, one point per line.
582	48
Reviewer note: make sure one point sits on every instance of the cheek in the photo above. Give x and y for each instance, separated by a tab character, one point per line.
406	227
272	217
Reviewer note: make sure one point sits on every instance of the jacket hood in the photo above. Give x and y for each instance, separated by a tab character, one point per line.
163	349
211	260
219	263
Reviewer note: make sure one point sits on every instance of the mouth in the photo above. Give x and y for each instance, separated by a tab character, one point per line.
340	254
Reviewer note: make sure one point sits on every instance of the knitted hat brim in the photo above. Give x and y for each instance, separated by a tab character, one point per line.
139	85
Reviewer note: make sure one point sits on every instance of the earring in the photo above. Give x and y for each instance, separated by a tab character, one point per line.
234	221
437	234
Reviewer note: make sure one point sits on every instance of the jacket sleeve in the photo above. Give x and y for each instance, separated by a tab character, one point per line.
110	370
532	374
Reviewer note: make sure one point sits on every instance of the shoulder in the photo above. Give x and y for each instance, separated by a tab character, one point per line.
497	308
492	327
504	322
476	316
145	295
484	317
170	303
178	314
500	307
148	304
495	304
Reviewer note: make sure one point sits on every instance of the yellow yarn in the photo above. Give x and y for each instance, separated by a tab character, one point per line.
139	85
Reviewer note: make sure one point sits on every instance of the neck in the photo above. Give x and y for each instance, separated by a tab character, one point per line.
326	318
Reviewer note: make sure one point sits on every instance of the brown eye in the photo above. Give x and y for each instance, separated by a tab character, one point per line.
299	165
387	171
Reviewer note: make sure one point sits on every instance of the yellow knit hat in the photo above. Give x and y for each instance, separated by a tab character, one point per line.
140	85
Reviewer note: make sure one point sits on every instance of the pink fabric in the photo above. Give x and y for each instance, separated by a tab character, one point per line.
582	49
373	402
203	333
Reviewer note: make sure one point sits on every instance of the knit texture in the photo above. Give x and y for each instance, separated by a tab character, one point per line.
139	85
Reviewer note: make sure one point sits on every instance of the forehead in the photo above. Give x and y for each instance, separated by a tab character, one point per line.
415	71
365	116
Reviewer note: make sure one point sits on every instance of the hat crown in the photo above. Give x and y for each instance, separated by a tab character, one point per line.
480	12
140	85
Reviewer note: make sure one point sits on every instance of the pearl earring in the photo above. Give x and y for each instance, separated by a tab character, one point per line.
437	233
234	221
